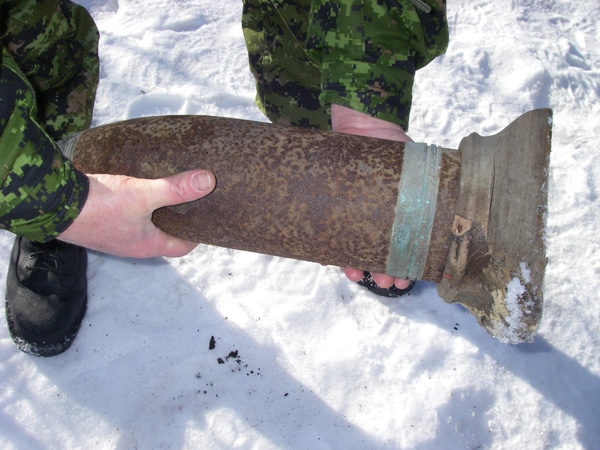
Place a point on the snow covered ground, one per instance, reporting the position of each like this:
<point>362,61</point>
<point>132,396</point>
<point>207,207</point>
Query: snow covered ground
<point>311,361</point>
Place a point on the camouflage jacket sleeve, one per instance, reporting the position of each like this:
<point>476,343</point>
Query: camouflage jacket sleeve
<point>307,54</point>
<point>48,77</point>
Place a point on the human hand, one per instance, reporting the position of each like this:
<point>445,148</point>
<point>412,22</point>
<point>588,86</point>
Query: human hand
<point>116,217</point>
<point>349,121</point>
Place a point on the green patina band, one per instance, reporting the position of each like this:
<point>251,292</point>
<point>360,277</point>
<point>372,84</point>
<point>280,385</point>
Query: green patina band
<point>415,211</point>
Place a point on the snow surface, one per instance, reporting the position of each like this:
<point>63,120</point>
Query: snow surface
<point>320,363</point>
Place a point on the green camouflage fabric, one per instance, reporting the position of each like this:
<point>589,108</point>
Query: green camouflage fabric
<point>363,54</point>
<point>48,80</point>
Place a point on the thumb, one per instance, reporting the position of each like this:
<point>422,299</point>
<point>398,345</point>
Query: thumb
<point>182,188</point>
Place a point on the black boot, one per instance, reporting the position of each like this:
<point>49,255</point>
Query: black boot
<point>46,295</point>
<point>367,282</point>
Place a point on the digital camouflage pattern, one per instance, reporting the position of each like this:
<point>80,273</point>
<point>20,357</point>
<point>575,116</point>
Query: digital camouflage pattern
<point>363,54</point>
<point>49,74</point>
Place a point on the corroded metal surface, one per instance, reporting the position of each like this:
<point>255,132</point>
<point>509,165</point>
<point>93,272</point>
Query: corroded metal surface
<point>306,194</point>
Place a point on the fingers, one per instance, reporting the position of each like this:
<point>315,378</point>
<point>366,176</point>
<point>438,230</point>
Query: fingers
<point>387,281</point>
<point>181,188</point>
<point>170,246</point>
<point>401,283</point>
<point>382,280</point>
<point>354,275</point>
<point>117,216</point>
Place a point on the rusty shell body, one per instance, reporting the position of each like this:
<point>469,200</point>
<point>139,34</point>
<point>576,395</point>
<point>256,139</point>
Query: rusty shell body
<point>311,195</point>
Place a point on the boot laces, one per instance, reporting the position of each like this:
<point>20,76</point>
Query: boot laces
<point>44,260</point>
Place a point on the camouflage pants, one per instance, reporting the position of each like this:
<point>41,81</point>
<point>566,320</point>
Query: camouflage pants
<point>363,54</point>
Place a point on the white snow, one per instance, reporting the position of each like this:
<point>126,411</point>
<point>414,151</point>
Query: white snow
<point>322,364</point>
<point>513,329</point>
